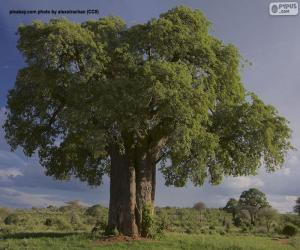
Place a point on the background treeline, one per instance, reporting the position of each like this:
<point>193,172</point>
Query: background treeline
<point>250,214</point>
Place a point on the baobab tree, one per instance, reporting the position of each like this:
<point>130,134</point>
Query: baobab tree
<point>102,98</point>
<point>253,200</point>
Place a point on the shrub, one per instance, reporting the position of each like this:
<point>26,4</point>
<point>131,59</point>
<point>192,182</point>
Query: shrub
<point>62,224</point>
<point>165,221</point>
<point>147,220</point>
<point>156,231</point>
<point>12,219</point>
<point>5,230</point>
<point>4,212</point>
<point>261,230</point>
<point>49,222</point>
<point>100,227</point>
<point>244,229</point>
<point>95,211</point>
<point>222,232</point>
<point>289,230</point>
<point>75,219</point>
<point>111,231</point>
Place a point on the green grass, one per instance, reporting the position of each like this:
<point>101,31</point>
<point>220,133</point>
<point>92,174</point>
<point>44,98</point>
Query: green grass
<point>174,241</point>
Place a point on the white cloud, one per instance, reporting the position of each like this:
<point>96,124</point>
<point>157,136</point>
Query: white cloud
<point>27,199</point>
<point>286,171</point>
<point>293,160</point>
<point>244,182</point>
<point>283,203</point>
<point>9,173</point>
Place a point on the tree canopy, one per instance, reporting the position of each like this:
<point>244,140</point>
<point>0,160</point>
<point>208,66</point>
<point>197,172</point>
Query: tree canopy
<point>232,206</point>
<point>253,200</point>
<point>166,84</point>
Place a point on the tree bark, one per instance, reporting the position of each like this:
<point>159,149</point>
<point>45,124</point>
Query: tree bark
<point>122,195</point>
<point>132,189</point>
<point>145,190</point>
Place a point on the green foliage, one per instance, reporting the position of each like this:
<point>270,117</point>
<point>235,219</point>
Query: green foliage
<point>95,211</point>
<point>253,200</point>
<point>268,216</point>
<point>290,219</point>
<point>99,83</point>
<point>183,231</point>
<point>289,230</point>
<point>101,228</point>
<point>62,224</point>
<point>12,219</point>
<point>75,219</point>
<point>111,231</point>
<point>147,220</point>
<point>49,222</point>
<point>4,212</point>
<point>232,206</point>
<point>164,219</point>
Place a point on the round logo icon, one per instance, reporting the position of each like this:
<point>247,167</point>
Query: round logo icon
<point>274,8</point>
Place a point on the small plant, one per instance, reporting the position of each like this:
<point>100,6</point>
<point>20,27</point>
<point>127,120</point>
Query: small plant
<point>111,231</point>
<point>147,220</point>
<point>222,232</point>
<point>289,230</point>
<point>99,227</point>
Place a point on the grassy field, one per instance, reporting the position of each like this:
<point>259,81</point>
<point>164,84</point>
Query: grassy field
<point>70,227</point>
<point>170,241</point>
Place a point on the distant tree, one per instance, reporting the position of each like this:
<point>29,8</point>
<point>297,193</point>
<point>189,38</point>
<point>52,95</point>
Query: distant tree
<point>253,200</point>
<point>232,207</point>
<point>268,216</point>
<point>297,207</point>
<point>242,217</point>
<point>95,210</point>
<point>74,204</point>
<point>200,206</point>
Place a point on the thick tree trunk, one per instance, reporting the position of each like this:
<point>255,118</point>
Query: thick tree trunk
<point>122,195</point>
<point>132,189</point>
<point>145,191</point>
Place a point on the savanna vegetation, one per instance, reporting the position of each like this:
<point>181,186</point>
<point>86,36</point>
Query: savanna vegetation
<point>76,227</point>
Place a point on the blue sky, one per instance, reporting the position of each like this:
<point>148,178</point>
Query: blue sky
<point>271,43</point>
